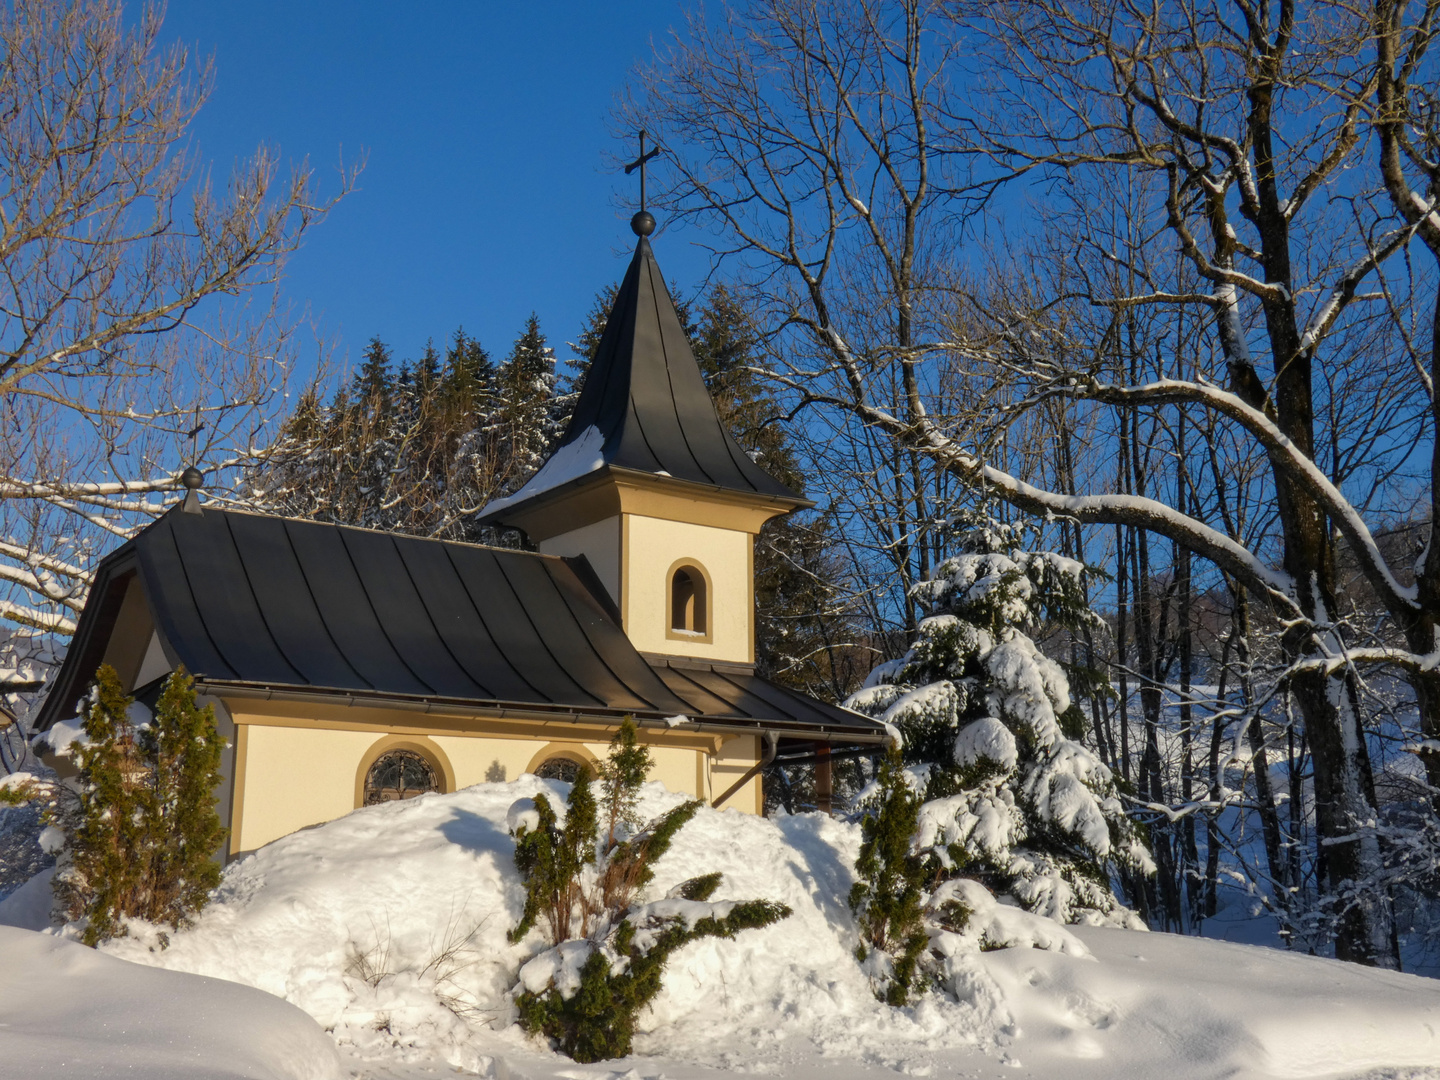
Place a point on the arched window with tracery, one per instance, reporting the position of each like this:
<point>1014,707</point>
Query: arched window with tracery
<point>564,769</point>
<point>688,608</point>
<point>399,774</point>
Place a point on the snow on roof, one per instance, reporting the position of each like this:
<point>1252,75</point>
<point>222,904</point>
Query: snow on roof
<point>645,406</point>
<point>572,461</point>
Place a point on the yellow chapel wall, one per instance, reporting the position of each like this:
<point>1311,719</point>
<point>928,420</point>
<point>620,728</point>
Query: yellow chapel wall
<point>291,775</point>
<point>600,543</point>
<point>651,548</point>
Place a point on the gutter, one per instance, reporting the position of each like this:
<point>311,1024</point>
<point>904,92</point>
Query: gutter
<point>500,710</point>
<point>810,759</point>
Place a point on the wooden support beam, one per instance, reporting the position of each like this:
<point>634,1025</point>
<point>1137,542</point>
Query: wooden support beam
<point>824,780</point>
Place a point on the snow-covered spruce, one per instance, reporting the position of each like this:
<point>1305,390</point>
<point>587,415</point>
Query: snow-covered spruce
<point>1009,799</point>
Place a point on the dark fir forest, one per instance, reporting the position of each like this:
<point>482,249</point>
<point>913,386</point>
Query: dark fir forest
<point>419,444</point>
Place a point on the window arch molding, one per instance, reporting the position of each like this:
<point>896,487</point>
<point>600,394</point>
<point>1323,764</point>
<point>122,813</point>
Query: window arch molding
<point>416,744</point>
<point>705,595</point>
<point>575,752</point>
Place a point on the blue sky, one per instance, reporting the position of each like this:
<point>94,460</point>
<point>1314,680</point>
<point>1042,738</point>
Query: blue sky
<point>487,192</point>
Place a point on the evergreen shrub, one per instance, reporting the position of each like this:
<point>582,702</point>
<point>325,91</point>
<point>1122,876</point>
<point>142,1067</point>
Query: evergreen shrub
<point>139,820</point>
<point>887,897</point>
<point>582,887</point>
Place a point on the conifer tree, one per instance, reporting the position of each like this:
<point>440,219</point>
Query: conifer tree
<point>523,410</point>
<point>373,380</point>
<point>141,831</point>
<point>552,858</point>
<point>1010,800</point>
<point>427,368</point>
<point>98,875</point>
<point>621,778</point>
<point>416,450</point>
<point>469,379</point>
<point>182,749</point>
<point>887,897</point>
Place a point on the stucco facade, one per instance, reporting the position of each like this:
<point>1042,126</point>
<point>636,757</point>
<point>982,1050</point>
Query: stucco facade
<point>279,785</point>
<point>325,646</point>
<point>654,548</point>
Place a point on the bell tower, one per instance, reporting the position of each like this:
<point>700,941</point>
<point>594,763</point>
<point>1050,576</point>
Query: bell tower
<point>650,487</point>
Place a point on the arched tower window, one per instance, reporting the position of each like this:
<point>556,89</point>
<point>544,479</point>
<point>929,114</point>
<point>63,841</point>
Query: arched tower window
<point>399,774</point>
<point>688,612</point>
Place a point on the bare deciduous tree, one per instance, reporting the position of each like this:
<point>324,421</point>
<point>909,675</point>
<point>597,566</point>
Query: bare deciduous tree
<point>139,325</point>
<point>826,145</point>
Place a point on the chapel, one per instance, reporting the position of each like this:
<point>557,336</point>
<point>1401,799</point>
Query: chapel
<point>349,666</point>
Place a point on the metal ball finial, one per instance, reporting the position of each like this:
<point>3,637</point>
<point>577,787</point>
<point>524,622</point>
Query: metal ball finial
<point>643,223</point>
<point>192,478</point>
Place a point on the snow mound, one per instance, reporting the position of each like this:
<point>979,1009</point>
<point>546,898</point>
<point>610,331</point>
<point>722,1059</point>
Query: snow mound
<point>389,927</point>
<point>1153,1005</point>
<point>70,1011</point>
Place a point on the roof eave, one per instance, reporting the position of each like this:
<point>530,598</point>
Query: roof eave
<point>833,734</point>
<point>514,514</point>
<point>92,622</point>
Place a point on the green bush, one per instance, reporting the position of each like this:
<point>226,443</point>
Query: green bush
<point>888,897</point>
<point>584,886</point>
<point>598,1020</point>
<point>550,860</point>
<point>140,823</point>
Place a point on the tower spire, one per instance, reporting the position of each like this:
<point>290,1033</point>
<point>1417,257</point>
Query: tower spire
<point>644,409</point>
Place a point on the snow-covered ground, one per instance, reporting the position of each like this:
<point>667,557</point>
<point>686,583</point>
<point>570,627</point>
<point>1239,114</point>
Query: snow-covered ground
<point>69,1011</point>
<point>388,927</point>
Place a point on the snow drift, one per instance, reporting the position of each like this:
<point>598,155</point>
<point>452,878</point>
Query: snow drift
<point>388,927</point>
<point>66,1010</point>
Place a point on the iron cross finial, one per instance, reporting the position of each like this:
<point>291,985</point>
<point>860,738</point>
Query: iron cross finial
<point>642,223</point>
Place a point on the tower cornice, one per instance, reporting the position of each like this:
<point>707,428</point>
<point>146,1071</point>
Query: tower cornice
<point>611,490</point>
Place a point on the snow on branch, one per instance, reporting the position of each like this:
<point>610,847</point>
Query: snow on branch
<point>924,436</point>
<point>1286,455</point>
<point>41,561</point>
<point>1144,513</point>
<point>86,491</point>
<point>1417,663</point>
<point>34,617</point>
<point>42,585</point>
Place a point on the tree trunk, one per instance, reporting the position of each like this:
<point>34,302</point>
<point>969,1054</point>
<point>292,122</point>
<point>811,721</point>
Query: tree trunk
<point>1189,854</point>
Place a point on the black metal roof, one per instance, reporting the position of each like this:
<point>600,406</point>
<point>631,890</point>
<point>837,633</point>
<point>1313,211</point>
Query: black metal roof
<point>254,605</point>
<point>645,407</point>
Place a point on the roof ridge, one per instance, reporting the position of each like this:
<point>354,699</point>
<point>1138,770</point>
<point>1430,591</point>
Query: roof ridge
<point>250,512</point>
